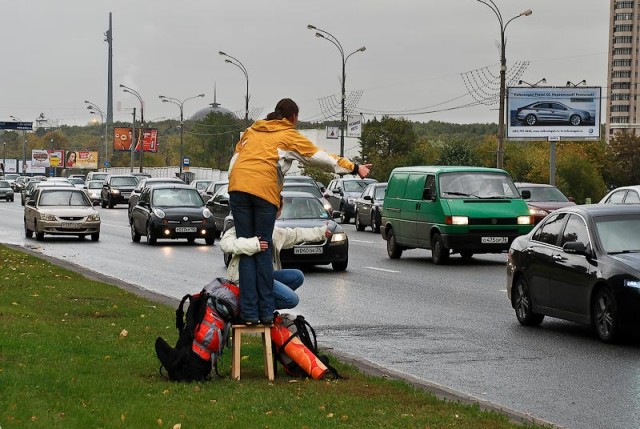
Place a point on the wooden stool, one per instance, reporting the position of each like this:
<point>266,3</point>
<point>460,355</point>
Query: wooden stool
<point>236,341</point>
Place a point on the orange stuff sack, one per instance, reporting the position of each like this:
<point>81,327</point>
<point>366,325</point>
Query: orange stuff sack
<point>296,348</point>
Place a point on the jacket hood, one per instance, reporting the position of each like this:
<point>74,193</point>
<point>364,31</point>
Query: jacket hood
<point>274,125</point>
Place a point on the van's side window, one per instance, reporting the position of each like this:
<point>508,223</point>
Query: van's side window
<point>429,188</point>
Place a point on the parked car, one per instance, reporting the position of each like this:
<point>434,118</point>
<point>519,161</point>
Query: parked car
<point>368,211</point>
<point>93,188</point>
<point>552,111</point>
<point>581,263</point>
<point>212,189</point>
<point>144,182</point>
<point>96,175</point>
<point>304,210</point>
<point>452,209</point>
<point>116,189</point>
<point>623,195</point>
<point>171,211</point>
<point>543,199</point>
<point>27,192</point>
<point>342,193</point>
<point>311,188</point>
<point>6,193</point>
<point>61,210</point>
<point>218,205</point>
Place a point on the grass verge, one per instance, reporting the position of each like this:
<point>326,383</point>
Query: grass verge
<point>77,353</point>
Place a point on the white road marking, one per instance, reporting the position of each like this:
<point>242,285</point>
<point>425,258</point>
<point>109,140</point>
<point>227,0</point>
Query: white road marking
<point>382,269</point>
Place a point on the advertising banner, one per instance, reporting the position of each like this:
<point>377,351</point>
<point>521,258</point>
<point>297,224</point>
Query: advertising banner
<point>10,165</point>
<point>81,159</point>
<point>148,138</point>
<point>354,126</point>
<point>539,113</point>
<point>47,158</point>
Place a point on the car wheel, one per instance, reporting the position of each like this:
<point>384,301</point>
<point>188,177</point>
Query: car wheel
<point>359,225</point>
<point>393,250</point>
<point>523,305</point>
<point>216,233</point>
<point>439,253</point>
<point>39,235</point>
<point>110,202</point>
<point>466,254</point>
<point>95,236</point>
<point>27,232</point>
<point>605,316</point>
<point>103,203</point>
<point>151,240</point>
<point>575,120</point>
<point>343,217</point>
<point>375,224</point>
<point>531,119</point>
<point>340,266</point>
<point>135,237</point>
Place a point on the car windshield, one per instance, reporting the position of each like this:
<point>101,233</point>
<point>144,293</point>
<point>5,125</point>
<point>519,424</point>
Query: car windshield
<point>299,187</point>
<point>63,198</point>
<point>619,234</point>
<point>544,193</point>
<point>76,181</point>
<point>124,181</point>
<point>174,197</point>
<point>379,193</point>
<point>202,185</point>
<point>11,176</point>
<point>99,176</point>
<point>4,184</point>
<point>477,185</point>
<point>355,185</point>
<point>94,184</point>
<point>303,208</point>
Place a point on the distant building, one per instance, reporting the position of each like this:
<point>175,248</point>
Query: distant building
<point>213,108</point>
<point>623,105</point>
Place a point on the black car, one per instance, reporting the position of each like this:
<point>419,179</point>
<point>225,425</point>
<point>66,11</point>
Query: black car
<point>6,193</point>
<point>342,193</point>
<point>171,211</point>
<point>368,211</point>
<point>144,182</point>
<point>581,263</point>
<point>218,205</point>
<point>116,189</point>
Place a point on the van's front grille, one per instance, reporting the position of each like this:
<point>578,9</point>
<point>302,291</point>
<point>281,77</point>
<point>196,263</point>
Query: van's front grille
<point>493,221</point>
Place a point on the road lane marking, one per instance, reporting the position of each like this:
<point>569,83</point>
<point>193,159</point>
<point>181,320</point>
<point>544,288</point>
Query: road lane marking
<point>361,241</point>
<point>382,269</point>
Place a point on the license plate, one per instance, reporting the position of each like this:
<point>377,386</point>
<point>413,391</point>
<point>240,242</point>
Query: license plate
<point>71,225</point>
<point>307,250</point>
<point>494,240</point>
<point>186,229</point>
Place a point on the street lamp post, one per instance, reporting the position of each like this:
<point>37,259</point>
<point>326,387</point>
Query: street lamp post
<point>139,97</point>
<point>503,72</point>
<point>237,63</point>
<point>24,147</point>
<point>331,38</point>
<point>569,83</point>
<point>533,85</point>
<point>180,104</point>
<point>94,109</point>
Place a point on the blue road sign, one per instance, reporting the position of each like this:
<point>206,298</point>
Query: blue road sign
<point>23,126</point>
<point>186,161</point>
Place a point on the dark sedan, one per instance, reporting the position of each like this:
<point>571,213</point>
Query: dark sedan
<point>171,211</point>
<point>368,207</point>
<point>218,205</point>
<point>581,263</point>
<point>143,183</point>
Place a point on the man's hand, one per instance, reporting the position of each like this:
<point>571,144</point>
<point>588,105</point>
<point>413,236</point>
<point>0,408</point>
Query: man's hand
<point>363,170</point>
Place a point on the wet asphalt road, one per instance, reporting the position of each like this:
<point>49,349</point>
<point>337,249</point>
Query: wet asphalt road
<point>448,325</point>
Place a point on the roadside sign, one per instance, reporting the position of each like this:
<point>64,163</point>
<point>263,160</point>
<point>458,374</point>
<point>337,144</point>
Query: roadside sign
<point>13,125</point>
<point>106,164</point>
<point>186,161</point>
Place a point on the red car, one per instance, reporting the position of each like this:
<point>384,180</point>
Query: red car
<point>544,199</point>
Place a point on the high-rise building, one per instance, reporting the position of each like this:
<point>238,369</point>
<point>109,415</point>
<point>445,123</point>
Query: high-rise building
<point>622,82</point>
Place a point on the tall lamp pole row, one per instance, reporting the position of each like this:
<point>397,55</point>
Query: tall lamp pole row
<point>180,104</point>
<point>331,38</point>
<point>503,70</point>
<point>95,110</point>
<point>231,60</point>
<point>24,147</point>
<point>133,144</point>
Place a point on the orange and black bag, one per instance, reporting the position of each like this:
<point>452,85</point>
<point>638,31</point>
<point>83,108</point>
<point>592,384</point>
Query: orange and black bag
<point>295,346</point>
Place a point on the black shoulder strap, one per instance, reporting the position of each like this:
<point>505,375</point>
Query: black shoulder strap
<point>180,312</point>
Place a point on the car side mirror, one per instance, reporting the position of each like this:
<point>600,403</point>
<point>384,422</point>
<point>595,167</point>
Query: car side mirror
<point>224,201</point>
<point>337,191</point>
<point>143,204</point>
<point>367,197</point>
<point>526,194</point>
<point>575,248</point>
<point>428,195</point>
<point>31,203</point>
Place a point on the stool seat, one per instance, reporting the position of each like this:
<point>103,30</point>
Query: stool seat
<point>236,342</point>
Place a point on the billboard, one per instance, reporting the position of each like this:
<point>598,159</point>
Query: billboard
<point>148,138</point>
<point>81,159</point>
<point>47,158</point>
<point>566,113</point>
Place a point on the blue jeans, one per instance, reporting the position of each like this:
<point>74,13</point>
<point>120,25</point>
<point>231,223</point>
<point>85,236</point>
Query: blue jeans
<point>255,217</point>
<point>285,282</point>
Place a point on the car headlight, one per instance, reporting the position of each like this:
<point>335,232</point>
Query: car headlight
<point>93,217</point>
<point>457,220</point>
<point>115,191</point>
<point>206,213</point>
<point>47,216</point>
<point>524,220</point>
<point>338,237</point>
<point>632,283</point>
<point>534,211</point>
<point>159,213</point>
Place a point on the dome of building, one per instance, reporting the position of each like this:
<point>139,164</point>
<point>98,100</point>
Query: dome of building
<point>213,108</point>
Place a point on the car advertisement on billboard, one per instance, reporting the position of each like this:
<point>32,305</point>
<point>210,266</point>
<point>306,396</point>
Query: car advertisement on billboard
<point>557,112</point>
<point>81,159</point>
<point>122,139</point>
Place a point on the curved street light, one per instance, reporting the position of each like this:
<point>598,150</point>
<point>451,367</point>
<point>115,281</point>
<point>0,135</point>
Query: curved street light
<point>503,70</point>
<point>532,85</point>
<point>139,97</point>
<point>24,146</point>
<point>322,34</point>
<point>236,62</point>
<point>569,83</point>
<point>95,110</point>
<point>180,104</point>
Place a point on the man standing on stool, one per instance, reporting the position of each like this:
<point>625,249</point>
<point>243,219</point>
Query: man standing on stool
<point>262,157</point>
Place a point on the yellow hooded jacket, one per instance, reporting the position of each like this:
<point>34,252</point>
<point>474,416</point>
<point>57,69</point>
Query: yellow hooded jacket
<point>265,153</point>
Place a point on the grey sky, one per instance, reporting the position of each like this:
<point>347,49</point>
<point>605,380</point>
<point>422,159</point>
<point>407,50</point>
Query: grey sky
<point>54,56</point>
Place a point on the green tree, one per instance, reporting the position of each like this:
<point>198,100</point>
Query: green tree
<point>622,160</point>
<point>458,152</point>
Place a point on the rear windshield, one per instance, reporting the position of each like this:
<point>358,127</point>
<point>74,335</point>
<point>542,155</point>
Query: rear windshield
<point>545,193</point>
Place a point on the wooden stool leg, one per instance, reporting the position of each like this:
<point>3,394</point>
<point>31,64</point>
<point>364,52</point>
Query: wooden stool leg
<point>236,341</point>
<point>268,356</point>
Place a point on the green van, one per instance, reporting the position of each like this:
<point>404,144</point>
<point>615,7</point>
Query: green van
<point>463,210</point>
